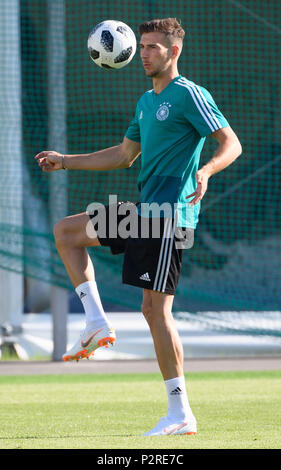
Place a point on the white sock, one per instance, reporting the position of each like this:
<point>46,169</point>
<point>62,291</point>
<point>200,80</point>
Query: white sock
<point>178,405</point>
<point>89,295</point>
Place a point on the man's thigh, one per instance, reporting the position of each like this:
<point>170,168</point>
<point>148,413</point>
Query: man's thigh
<point>78,230</point>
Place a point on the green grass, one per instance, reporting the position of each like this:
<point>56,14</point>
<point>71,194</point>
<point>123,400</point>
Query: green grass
<point>234,410</point>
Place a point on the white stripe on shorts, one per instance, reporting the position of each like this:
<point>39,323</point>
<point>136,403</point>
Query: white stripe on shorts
<point>164,257</point>
<point>169,256</point>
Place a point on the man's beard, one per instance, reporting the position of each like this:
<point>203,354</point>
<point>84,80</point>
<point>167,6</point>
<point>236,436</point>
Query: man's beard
<point>153,73</point>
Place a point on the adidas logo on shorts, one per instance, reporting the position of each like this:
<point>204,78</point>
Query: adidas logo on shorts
<point>145,277</point>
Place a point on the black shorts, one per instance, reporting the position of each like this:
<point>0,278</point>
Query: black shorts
<point>152,247</point>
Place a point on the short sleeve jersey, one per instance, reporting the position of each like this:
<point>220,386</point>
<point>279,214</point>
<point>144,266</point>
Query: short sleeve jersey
<point>171,127</point>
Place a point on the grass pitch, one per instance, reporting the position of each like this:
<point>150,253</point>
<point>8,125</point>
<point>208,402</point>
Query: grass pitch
<point>234,410</point>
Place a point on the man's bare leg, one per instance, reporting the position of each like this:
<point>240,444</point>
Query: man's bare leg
<point>72,240</point>
<point>73,235</point>
<point>157,309</point>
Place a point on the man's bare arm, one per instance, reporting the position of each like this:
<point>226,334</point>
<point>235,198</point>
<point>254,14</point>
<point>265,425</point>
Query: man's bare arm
<point>119,156</point>
<point>228,150</point>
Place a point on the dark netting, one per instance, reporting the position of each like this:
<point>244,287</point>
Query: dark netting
<point>232,48</point>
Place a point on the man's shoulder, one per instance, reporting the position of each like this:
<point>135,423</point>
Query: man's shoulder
<point>190,89</point>
<point>187,84</point>
<point>146,94</point>
<point>144,97</point>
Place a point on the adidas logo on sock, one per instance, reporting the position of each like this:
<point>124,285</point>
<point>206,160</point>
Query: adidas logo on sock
<point>145,277</point>
<point>177,391</point>
<point>82,295</point>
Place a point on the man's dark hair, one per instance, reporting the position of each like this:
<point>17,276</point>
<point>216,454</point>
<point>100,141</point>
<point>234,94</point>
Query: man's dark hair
<point>168,26</point>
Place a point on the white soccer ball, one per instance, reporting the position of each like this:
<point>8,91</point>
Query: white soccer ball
<point>112,44</point>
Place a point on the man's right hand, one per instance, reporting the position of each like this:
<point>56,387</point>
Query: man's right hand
<point>49,160</point>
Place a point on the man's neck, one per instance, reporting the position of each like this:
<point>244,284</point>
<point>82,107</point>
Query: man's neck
<point>160,82</point>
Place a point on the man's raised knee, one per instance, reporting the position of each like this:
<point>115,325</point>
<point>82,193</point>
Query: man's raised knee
<point>60,232</point>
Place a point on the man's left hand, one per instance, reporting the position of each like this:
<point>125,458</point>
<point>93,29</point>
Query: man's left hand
<point>202,178</point>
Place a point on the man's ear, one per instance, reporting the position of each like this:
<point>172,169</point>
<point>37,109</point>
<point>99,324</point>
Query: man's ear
<point>175,51</point>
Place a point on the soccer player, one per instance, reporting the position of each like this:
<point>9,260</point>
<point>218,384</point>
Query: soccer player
<point>170,125</point>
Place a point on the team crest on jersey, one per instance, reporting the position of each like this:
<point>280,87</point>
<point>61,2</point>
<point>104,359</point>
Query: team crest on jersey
<point>163,111</point>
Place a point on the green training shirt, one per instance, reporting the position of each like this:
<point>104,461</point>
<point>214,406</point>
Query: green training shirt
<point>171,127</point>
